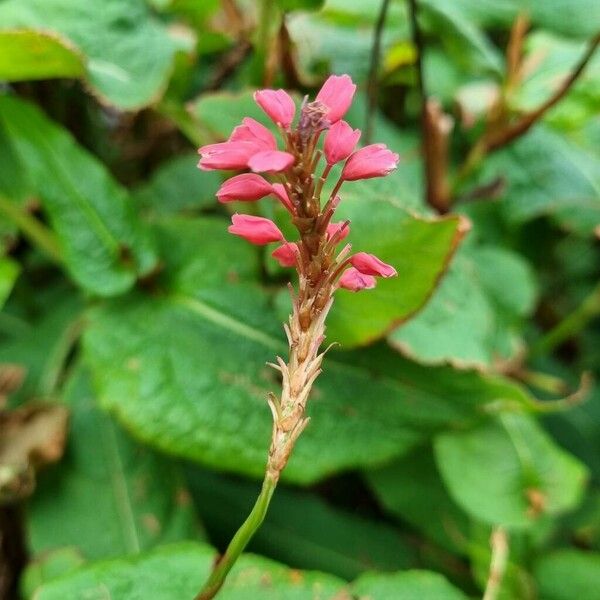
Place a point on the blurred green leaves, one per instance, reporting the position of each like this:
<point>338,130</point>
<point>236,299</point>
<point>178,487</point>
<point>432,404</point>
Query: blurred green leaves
<point>127,54</point>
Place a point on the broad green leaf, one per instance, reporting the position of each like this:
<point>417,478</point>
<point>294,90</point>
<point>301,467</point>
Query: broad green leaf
<point>461,37</point>
<point>47,567</point>
<point>9,271</point>
<point>545,174</point>
<point>509,472</point>
<point>178,186</point>
<point>120,497</point>
<point>185,370</point>
<point>411,489</point>
<point>300,529</point>
<point>408,585</point>
<point>418,248</point>
<point>473,319</point>
<point>128,54</point>
<point>568,574</point>
<point>577,18</point>
<point>105,247</point>
<point>178,571</point>
<point>26,55</point>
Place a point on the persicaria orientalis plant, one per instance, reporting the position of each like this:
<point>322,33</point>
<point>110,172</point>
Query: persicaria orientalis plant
<point>316,255</point>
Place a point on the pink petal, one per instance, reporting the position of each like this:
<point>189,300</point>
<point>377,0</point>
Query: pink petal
<point>226,155</point>
<point>355,281</point>
<point>278,105</point>
<point>340,142</point>
<point>271,161</point>
<point>369,264</point>
<point>246,187</point>
<point>375,160</point>
<point>254,132</point>
<point>342,230</point>
<point>337,93</point>
<point>257,230</point>
<point>279,191</point>
<point>286,254</point>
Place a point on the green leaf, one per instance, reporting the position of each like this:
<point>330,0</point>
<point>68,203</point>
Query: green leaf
<point>128,54</point>
<point>411,489</point>
<point>47,567</point>
<point>418,248</point>
<point>178,186</point>
<point>27,55</point>
<point>509,472</point>
<point>105,247</point>
<point>185,370</point>
<point>464,40</point>
<point>300,529</point>
<point>178,571</point>
<point>568,574</point>
<point>41,344</point>
<point>9,271</point>
<point>577,18</point>
<point>546,174</point>
<point>409,585</point>
<point>473,319</point>
<point>120,497</point>
<point>288,5</point>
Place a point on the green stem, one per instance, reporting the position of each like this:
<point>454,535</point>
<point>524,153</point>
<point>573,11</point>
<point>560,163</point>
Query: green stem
<point>240,540</point>
<point>570,326</point>
<point>268,24</point>
<point>31,228</point>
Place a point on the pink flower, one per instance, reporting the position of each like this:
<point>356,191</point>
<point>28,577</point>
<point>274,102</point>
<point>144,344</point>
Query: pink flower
<point>246,187</point>
<point>279,191</point>
<point>342,230</point>
<point>340,142</point>
<point>375,160</point>
<point>278,105</point>
<point>254,132</point>
<point>271,161</point>
<point>257,230</point>
<point>337,93</point>
<point>226,155</point>
<point>355,281</point>
<point>369,264</point>
<point>286,254</point>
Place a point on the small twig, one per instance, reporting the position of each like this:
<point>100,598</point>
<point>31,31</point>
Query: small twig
<point>498,563</point>
<point>570,326</point>
<point>528,120</point>
<point>229,64</point>
<point>373,80</point>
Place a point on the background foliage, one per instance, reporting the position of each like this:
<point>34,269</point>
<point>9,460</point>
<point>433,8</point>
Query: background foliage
<point>454,409</point>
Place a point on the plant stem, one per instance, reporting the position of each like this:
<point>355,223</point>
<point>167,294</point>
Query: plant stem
<point>372,85</point>
<point>570,326</point>
<point>268,25</point>
<point>32,229</point>
<point>240,540</point>
<point>499,543</point>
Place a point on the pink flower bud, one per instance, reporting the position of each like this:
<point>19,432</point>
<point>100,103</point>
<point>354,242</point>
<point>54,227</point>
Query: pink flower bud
<point>341,229</point>
<point>355,281</point>
<point>271,161</point>
<point>257,230</point>
<point>340,142</point>
<point>337,93</point>
<point>286,254</point>
<point>279,191</point>
<point>278,105</point>
<point>246,187</point>
<point>368,264</point>
<point>375,160</point>
<point>226,155</point>
<point>254,132</point>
